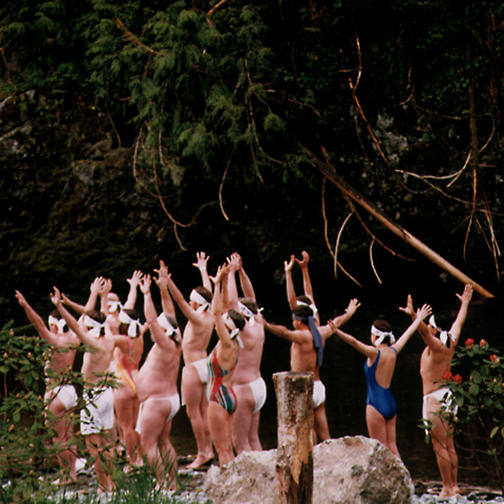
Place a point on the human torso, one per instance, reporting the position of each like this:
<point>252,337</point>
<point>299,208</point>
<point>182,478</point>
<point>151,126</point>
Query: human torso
<point>433,364</point>
<point>303,357</point>
<point>196,338</point>
<point>97,362</point>
<point>158,374</point>
<point>62,356</point>
<point>249,363</point>
<point>384,370</point>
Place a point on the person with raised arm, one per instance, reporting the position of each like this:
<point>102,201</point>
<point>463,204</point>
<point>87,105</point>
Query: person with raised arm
<point>248,384</point>
<point>319,391</point>
<point>381,408</point>
<point>60,398</point>
<point>201,265</point>
<point>436,360</point>
<point>157,384</point>
<point>222,361</point>
<point>128,351</point>
<point>196,337</point>
<point>97,418</point>
<point>307,338</point>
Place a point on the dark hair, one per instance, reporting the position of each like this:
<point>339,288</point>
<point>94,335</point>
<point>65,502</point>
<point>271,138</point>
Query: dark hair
<point>172,320</point>
<point>237,318</point>
<point>302,311</point>
<point>123,328</point>
<point>305,299</point>
<point>382,325</point>
<point>56,314</point>
<point>99,316</point>
<point>250,304</point>
<point>203,291</point>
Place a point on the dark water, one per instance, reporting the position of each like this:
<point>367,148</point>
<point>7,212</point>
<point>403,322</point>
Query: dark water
<point>343,376</point>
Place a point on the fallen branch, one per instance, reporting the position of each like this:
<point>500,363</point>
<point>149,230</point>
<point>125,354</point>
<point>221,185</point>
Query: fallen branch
<point>328,171</point>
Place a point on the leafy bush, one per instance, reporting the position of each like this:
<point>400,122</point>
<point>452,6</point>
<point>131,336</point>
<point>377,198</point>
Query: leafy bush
<point>478,388</point>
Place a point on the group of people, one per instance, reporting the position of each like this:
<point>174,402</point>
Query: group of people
<point>222,390</point>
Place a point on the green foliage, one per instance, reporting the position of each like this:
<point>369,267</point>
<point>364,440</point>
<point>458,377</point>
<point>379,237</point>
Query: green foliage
<point>478,389</point>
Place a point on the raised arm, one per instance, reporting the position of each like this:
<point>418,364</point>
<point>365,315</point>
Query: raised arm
<point>465,299</point>
<point>230,290</point>
<point>104,291</point>
<point>150,313</point>
<point>289,285</point>
<point>422,328</point>
<point>367,350</point>
<point>307,285</point>
<point>34,318</point>
<point>420,315</point>
<point>201,264</point>
<point>349,313</point>
<point>245,283</point>
<point>94,289</point>
<point>70,320</point>
<point>134,283</point>
<point>162,283</point>
<point>284,332</point>
<point>177,296</point>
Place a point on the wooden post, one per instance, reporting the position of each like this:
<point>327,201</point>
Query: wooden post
<point>294,469</point>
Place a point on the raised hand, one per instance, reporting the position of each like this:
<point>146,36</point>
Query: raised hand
<point>21,299</point>
<point>288,265</point>
<point>134,281</point>
<point>163,275</point>
<point>145,284</point>
<point>423,312</point>
<point>201,261</point>
<point>55,297</point>
<point>352,306</point>
<point>466,296</point>
<point>408,309</point>
<point>304,261</point>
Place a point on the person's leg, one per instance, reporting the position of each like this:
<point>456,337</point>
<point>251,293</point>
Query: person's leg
<point>441,439</point>
<point>254,440</point>
<point>376,425</point>
<point>99,449</point>
<point>169,458</point>
<point>390,426</point>
<point>126,408</point>
<point>242,418</point>
<point>220,424</point>
<point>193,392</point>
<point>320,423</point>
<point>61,422</point>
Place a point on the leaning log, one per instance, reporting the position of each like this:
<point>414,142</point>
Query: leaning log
<point>328,170</point>
<point>294,467</point>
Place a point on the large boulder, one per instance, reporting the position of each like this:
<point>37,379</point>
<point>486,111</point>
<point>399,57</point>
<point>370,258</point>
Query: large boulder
<point>348,470</point>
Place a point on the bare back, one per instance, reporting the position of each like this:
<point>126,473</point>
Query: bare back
<point>433,364</point>
<point>386,365</point>
<point>97,360</point>
<point>62,354</point>
<point>249,363</point>
<point>196,337</point>
<point>159,373</point>
<point>303,357</point>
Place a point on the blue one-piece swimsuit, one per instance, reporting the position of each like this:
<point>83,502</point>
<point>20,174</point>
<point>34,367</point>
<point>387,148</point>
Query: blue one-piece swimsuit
<point>379,397</point>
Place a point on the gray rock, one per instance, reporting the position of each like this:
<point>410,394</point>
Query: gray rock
<point>349,470</point>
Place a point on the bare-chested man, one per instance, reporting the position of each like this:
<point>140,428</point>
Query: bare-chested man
<point>196,337</point>
<point>307,340</point>
<point>60,398</point>
<point>321,424</point>
<point>157,384</point>
<point>247,382</point>
<point>435,361</point>
<point>97,418</point>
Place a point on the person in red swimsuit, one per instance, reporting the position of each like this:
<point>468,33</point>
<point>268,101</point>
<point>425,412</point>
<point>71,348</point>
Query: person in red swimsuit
<point>221,364</point>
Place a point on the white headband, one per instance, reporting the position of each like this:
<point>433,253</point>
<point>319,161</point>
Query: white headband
<point>173,332</point>
<point>248,313</point>
<point>443,335</point>
<point>114,305</point>
<point>94,327</point>
<point>381,335</point>
<point>310,305</point>
<point>59,323</point>
<point>133,324</point>
<point>198,298</point>
<point>234,332</point>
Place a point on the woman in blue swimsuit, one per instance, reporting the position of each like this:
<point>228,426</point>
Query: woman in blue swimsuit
<point>221,364</point>
<point>381,410</point>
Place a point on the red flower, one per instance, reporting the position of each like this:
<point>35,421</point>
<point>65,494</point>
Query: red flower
<point>457,378</point>
<point>469,342</point>
<point>447,376</point>
<point>483,343</point>
<point>494,359</point>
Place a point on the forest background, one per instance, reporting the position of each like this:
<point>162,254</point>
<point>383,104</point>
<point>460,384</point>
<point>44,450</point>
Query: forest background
<point>143,130</point>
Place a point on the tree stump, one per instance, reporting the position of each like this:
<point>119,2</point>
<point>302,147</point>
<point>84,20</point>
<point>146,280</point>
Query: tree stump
<point>294,468</point>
